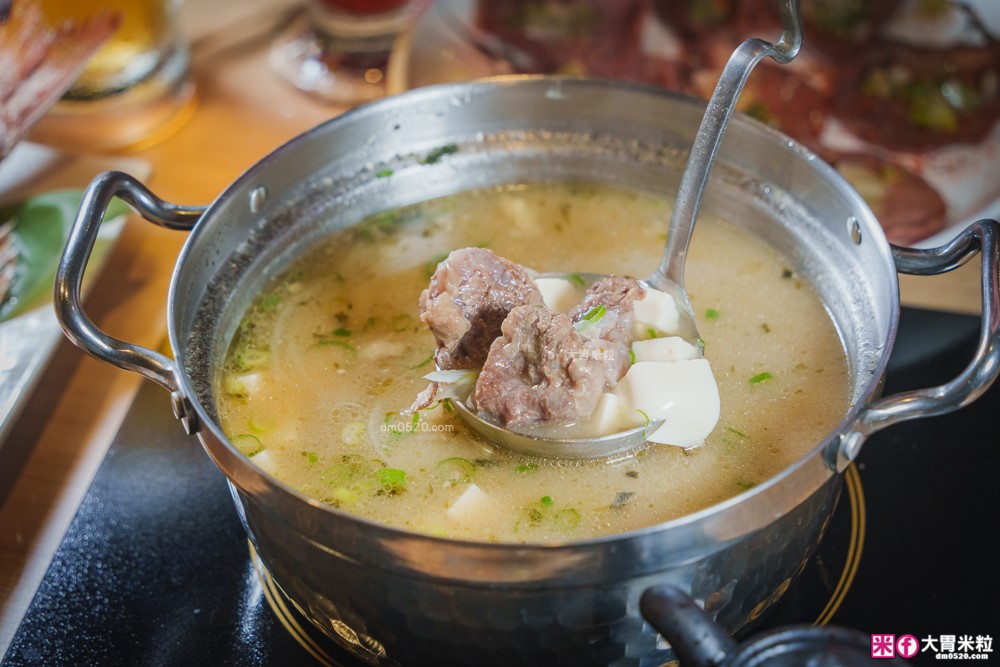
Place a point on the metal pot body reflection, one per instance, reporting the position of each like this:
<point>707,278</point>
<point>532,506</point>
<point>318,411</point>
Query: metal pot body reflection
<point>394,597</point>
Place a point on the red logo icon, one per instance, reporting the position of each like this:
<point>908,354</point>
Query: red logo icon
<point>907,646</point>
<point>884,646</point>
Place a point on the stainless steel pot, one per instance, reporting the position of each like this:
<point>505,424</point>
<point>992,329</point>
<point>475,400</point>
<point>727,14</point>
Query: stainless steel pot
<point>394,597</point>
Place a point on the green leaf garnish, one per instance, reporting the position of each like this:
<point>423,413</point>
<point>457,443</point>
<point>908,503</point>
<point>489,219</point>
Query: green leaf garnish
<point>40,227</point>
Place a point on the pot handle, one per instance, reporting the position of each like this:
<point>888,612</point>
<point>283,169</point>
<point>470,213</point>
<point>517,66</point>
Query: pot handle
<point>69,276</point>
<point>983,237</point>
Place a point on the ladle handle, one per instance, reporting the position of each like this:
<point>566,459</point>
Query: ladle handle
<point>69,277</point>
<point>982,237</point>
<point>713,126</point>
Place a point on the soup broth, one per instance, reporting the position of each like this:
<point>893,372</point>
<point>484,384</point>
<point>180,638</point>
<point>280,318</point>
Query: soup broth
<point>325,363</point>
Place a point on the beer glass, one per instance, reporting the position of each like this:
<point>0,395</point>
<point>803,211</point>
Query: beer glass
<point>338,50</point>
<point>134,89</point>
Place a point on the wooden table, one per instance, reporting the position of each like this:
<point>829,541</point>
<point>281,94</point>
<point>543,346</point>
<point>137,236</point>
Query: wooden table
<point>242,113</point>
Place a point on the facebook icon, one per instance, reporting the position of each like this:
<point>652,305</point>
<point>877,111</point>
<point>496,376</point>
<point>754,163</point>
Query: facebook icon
<point>907,646</point>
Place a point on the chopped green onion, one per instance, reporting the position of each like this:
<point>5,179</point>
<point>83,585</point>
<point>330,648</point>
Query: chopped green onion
<point>431,266</point>
<point>249,444</point>
<point>455,470</point>
<point>249,359</point>
<point>711,314</point>
<point>258,427</point>
<point>353,434</point>
<point>383,173</point>
<point>423,363</point>
<point>566,519</point>
<point>268,303</point>
<point>439,152</point>
<point>311,457</point>
<point>344,496</point>
<point>631,356</point>
<point>577,278</point>
<point>761,377</point>
<point>335,343</point>
<point>400,430</point>
<point>526,468</point>
<point>645,416</point>
<point>546,501</point>
<point>234,385</point>
<point>739,433</point>
<point>392,480</point>
<point>342,332</point>
<point>591,317</point>
<point>350,473</point>
<point>401,322</point>
<point>651,332</point>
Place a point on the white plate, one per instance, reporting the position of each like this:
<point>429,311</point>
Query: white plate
<point>28,340</point>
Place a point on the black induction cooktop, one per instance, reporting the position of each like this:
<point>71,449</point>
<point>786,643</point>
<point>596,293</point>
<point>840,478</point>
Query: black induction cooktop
<point>155,568</point>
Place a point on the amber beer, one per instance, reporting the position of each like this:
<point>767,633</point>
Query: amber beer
<point>143,42</point>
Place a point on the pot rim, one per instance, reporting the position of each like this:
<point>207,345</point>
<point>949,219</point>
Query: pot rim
<point>870,227</point>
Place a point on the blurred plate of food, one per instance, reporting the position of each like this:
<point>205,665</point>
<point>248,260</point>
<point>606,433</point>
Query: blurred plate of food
<point>40,192</point>
<point>901,96</point>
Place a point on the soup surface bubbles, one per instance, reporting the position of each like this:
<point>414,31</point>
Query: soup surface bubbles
<point>326,361</point>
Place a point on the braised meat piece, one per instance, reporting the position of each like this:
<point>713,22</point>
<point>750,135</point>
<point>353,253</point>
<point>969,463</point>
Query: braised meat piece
<point>468,297</point>
<point>608,308</point>
<point>541,370</point>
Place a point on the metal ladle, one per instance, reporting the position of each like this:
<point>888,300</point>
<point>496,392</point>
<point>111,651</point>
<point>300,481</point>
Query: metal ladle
<point>669,275</point>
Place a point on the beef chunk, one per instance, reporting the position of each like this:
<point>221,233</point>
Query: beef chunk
<point>617,295</point>
<point>468,298</point>
<point>541,370</point>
